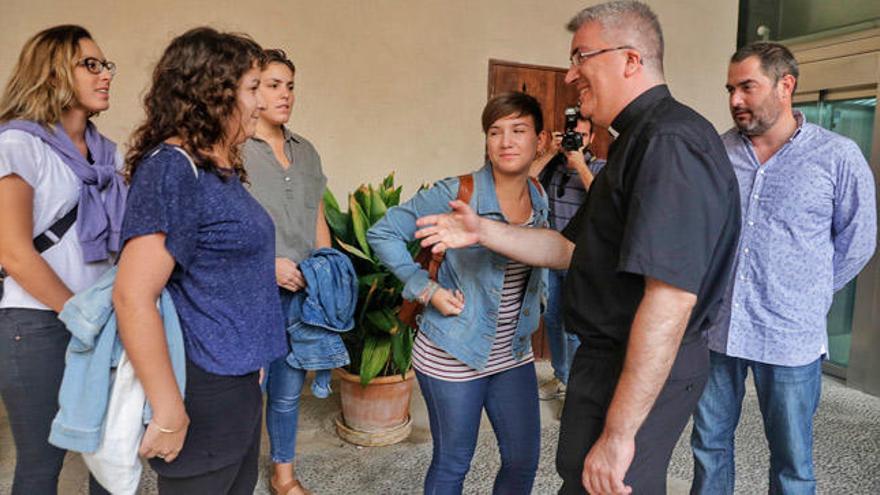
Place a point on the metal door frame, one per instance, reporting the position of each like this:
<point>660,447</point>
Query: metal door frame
<point>845,67</point>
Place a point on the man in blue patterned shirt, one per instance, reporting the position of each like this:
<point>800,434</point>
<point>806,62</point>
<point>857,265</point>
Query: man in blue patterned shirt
<point>808,227</point>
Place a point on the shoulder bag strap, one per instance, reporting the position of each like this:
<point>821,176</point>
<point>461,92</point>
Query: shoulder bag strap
<point>54,234</point>
<point>465,191</point>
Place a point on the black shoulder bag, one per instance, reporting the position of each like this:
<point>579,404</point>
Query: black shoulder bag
<point>48,238</point>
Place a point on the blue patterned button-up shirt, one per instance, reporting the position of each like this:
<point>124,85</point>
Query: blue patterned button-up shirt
<point>808,227</point>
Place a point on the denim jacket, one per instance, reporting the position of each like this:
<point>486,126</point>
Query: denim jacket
<point>476,271</point>
<point>93,352</point>
<point>319,313</point>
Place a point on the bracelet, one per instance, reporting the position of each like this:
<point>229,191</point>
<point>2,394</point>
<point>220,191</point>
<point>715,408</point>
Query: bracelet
<point>165,430</point>
<point>428,292</point>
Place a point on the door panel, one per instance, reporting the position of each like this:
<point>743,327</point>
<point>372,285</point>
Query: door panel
<point>853,118</point>
<point>546,84</point>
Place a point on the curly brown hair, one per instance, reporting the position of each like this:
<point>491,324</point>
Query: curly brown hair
<point>192,96</point>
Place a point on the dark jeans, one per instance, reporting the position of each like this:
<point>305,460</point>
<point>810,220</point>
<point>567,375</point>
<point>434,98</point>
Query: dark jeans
<point>236,479</point>
<point>563,345</point>
<point>32,347</point>
<point>455,409</point>
<point>221,451</point>
<point>594,376</point>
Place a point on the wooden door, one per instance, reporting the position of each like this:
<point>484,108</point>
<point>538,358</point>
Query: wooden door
<point>547,85</point>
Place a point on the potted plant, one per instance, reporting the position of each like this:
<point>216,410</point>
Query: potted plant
<point>376,388</point>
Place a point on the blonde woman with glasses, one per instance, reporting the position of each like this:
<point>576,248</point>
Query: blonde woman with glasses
<point>61,207</point>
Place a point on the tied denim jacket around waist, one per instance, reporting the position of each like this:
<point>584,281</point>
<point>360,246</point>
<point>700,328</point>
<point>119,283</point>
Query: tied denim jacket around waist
<point>476,271</point>
<point>318,314</point>
<point>92,354</point>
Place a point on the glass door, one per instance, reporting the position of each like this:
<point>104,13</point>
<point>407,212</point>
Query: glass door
<point>853,118</point>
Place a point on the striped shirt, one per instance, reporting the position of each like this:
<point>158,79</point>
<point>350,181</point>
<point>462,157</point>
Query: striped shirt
<point>433,361</point>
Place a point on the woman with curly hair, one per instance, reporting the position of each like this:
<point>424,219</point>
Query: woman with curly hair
<point>191,227</point>
<point>61,206</point>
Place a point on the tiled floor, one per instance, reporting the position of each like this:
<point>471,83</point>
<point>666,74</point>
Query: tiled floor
<point>847,452</point>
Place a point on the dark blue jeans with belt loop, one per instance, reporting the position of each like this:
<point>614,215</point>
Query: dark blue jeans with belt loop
<point>32,347</point>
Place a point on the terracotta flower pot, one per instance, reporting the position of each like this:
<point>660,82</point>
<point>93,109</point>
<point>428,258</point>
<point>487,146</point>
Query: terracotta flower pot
<point>377,414</point>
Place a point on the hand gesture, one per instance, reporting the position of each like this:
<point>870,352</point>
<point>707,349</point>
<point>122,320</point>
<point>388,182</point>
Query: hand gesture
<point>448,303</point>
<point>456,229</point>
<point>606,464</point>
<point>165,441</point>
<point>287,275</point>
<point>575,160</point>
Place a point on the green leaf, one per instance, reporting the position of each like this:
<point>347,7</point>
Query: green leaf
<point>353,250</point>
<point>330,200</point>
<point>366,302</point>
<point>363,197</point>
<point>383,320</point>
<point>370,278</point>
<point>360,223</point>
<point>338,221</point>
<point>376,352</point>
<point>377,206</point>
<point>401,350</point>
<point>393,197</point>
<point>388,182</point>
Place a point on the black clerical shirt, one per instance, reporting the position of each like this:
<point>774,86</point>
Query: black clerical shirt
<point>665,206</point>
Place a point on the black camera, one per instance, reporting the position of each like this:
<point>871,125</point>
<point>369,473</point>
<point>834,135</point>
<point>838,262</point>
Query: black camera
<point>571,139</point>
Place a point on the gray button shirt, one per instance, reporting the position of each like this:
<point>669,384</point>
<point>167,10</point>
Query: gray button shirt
<point>292,195</point>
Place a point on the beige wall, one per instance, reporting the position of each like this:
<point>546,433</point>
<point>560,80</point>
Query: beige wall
<point>381,84</point>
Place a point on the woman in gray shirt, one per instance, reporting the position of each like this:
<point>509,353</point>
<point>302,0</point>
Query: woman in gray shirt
<point>286,178</point>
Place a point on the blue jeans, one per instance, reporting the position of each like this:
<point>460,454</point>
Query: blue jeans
<point>788,398</point>
<point>32,347</point>
<point>563,344</point>
<point>455,409</point>
<point>284,387</point>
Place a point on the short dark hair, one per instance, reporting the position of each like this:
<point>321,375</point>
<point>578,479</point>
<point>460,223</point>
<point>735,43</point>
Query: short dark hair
<point>277,56</point>
<point>776,60</point>
<point>513,103</point>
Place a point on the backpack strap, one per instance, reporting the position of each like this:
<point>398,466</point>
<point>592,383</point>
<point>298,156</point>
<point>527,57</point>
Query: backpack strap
<point>465,192</point>
<point>538,186</point>
<point>465,188</point>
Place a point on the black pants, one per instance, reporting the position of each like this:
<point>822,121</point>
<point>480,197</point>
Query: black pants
<point>591,383</point>
<point>222,448</point>
<point>236,479</point>
<point>32,347</point>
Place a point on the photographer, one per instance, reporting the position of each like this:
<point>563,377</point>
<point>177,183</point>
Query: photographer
<point>566,169</point>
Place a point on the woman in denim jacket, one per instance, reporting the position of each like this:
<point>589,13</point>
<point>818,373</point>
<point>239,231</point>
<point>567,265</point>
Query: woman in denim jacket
<point>473,347</point>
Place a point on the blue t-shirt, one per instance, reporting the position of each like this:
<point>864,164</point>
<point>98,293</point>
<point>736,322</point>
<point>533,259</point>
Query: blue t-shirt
<point>223,242</point>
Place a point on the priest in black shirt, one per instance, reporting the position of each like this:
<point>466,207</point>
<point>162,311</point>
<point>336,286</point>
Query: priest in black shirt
<point>648,256</point>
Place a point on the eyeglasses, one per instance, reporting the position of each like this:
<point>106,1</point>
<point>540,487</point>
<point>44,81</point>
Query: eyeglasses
<point>577,58</point>
<point>96,66</point>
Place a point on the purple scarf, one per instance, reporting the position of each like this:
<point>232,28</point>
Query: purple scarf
<point>99,220</point>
